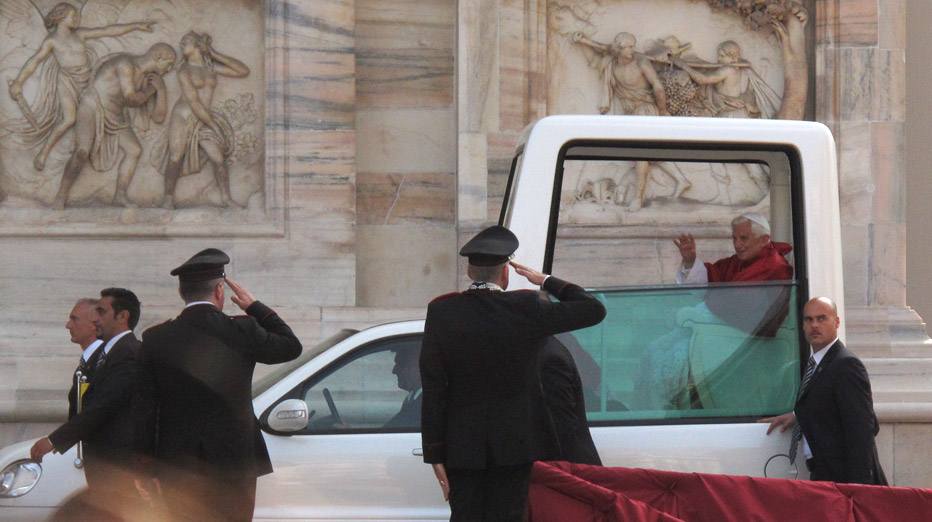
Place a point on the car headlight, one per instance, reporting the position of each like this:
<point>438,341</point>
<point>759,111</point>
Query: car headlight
<point>19,478</point>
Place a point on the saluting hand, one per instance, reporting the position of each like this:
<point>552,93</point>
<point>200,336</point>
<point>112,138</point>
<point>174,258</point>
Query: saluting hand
<point>242,297</point>
<point>532,275</point>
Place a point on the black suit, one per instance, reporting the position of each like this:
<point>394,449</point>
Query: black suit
<point>409,416</point>
<point>836,414</point>
<point>73,392</point>
<point>563,394</point>
<point>104,424</point>
<point>483,407</point>
<point>193,415</point>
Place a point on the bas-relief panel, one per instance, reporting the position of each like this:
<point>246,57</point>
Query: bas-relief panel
<point>144,116</point>
<point>673,58</point>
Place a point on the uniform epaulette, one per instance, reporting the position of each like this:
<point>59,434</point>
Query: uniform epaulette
<point>444,296</point>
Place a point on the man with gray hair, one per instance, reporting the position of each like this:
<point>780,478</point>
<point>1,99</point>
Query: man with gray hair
<point>83,333</point>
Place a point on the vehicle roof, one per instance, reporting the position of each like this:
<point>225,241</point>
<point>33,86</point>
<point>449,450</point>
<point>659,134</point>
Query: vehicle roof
<point>674,128</point>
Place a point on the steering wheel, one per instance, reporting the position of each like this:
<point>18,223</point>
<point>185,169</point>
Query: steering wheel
<point>334,414</point>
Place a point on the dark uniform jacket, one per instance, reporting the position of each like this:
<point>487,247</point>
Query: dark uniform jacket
<point>836,414</point>
<point>105,422</point>
<point>563,393</point>
<point>193,405</point>
<point>483,406</point>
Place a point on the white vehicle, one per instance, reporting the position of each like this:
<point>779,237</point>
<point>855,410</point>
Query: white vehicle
<point>325,414</point>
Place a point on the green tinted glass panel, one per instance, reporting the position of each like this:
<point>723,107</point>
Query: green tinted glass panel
<point>679,352</point>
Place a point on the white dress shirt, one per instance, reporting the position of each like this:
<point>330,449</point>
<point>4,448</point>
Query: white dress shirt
<point>818,356</point>
<point>89,351</point>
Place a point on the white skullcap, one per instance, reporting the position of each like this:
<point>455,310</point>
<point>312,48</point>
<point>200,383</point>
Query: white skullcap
<point>753,217</point>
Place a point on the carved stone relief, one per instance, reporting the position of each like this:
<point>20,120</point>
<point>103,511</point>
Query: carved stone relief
<point>682,58</point>
<point>132,103</point>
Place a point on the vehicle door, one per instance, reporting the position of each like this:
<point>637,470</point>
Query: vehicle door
<point>359,456</point>
<point>677,375</point>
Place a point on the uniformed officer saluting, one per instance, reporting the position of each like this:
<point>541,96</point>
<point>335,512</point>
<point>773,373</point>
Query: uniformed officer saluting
<point>195,430</point>
<point>484,420</point>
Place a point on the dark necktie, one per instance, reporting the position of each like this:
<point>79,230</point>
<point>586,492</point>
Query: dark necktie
<point>797,429</point>
<point>99,363</point>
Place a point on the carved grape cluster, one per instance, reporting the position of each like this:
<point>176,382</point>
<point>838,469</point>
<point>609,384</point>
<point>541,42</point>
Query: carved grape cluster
<point>682,92</point>
<point>756,13</point>
<point>240,110</point>
<point>246,145</point>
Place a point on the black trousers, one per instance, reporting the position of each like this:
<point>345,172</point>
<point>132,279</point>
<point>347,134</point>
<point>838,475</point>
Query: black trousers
<point>497,494</point>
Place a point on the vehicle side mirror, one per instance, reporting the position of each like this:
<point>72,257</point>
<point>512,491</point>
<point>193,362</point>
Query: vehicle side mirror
<point>289,415</point>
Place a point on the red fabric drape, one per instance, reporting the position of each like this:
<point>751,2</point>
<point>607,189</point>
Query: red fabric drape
<point>571,492</point>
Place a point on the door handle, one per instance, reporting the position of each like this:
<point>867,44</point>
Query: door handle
<point>418,452</point>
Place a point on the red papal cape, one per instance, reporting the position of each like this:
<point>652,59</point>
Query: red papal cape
<point>769,265</point>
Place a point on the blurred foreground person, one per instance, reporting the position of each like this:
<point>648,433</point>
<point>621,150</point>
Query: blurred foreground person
<point>197,441</point>
<point>484,419</point>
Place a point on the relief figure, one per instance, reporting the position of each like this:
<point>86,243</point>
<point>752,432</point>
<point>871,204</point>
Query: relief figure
<point>64,63</point>
<point>733,88</point>
<point>196,129</point>
<point>102,129</point>
<point>630,85</point>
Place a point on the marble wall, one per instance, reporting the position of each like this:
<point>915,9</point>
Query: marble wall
<point>406,150</point>
<point>340,78</point>
<point>390,126</point>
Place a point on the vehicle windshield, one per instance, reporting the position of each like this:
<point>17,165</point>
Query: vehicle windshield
<point>266,382</point>
<point>719,338</point>
<point>667,353</point>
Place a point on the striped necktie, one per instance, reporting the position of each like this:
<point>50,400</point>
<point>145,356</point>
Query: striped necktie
<point>101,357</point>
<point>82,367</point>
<point>797,429</point>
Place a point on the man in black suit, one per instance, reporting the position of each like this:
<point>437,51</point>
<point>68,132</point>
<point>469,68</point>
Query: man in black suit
<point>484,420</point>
<point>563,393</point>
<point>409,379</point>
<point>197,440</point>
<point>834,416</point>
<point>104,424</point>
<point>81,325</point>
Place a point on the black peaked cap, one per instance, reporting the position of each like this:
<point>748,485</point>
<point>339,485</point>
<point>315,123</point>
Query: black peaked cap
<point>493,246</point>
<point>203,266</point>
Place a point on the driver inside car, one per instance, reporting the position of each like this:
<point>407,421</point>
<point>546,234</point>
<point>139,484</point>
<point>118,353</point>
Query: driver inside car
<point>409,379</point>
